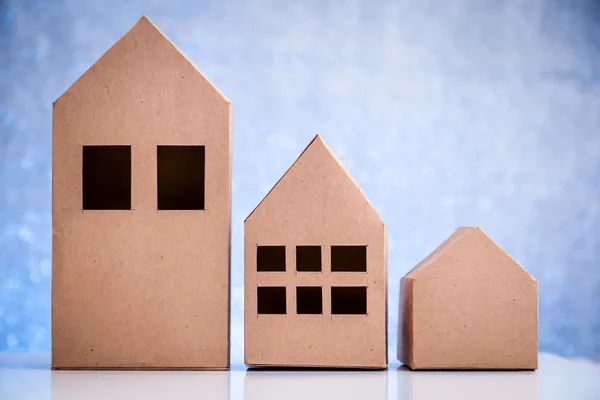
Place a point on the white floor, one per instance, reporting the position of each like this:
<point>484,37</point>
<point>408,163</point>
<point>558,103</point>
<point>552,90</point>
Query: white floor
<point>27,376</point>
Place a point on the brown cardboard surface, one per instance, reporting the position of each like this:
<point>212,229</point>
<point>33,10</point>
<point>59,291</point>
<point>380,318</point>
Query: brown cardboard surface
<point>316,203</point>
<point>468,305</point>
<point>405,322</point>
<point>141,288</point>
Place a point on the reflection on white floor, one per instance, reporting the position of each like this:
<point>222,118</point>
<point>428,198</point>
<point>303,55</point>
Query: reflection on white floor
<point>24,382</point>
<point>489,385</point>
<point>310,385</point>
<point>27,376</point>
<point>142,385</point>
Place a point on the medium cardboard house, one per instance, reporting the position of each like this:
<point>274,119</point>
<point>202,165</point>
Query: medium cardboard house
<point>315,270</point>
<point>141,212</point>
<point>468,305</point>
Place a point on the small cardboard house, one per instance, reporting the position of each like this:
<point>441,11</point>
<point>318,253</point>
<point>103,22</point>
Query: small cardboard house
<point>468,305</point>
<point>316,270</point>
<point>141,212</point>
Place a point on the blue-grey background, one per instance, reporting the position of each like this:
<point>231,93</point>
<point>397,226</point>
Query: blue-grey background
<point>447,113</point>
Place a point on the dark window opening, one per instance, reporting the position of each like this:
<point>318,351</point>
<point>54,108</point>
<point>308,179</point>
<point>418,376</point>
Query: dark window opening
<point>349,258</point>
<point>309,300</point>
<point>180,171</point>
<point>349,300</point>
<point>271,300</point>
<point>106,178</point>
<point>308,258</point>
<point>270,258</point>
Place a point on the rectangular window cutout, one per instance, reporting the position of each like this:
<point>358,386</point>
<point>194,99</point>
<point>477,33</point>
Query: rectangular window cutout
<point>270,258</point>
<point>309,300</point>
<point>180,181</point>
<point>348,300</point>
<point>271,300</point>
<point>349,258</point>
<point>106,178</point>
<point>308,258</point>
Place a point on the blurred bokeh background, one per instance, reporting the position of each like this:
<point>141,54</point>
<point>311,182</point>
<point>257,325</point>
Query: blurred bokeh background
<point>448,113</point>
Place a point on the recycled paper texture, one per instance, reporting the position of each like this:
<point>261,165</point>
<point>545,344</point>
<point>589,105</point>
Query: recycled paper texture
<point>141,212</point>
<point>315,270</point>
<point>468,305</point>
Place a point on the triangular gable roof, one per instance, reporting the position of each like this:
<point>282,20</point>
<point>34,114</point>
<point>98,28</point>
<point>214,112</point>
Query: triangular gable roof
<point>449,244</point>
<point>143,27</point>
<point>316,143</point>
<point>441,249</point>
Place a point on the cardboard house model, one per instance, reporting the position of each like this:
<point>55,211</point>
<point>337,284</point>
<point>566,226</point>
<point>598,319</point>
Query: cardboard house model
<point>468,305</point>
<point>141,212</point>
<point>315,270</point>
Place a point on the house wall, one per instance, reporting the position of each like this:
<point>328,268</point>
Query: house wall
<point>141,288</point>
<point>405,322</point>
<point>316,203</point>
<point>488,323</point>
<point>312,339</point>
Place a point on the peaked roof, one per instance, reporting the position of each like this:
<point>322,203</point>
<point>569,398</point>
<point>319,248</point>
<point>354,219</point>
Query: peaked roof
<point>316,144</point>
<point>145,27</point>
<point>449,244</point>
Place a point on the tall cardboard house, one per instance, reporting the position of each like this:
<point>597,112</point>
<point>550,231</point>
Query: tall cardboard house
<point>141,212</point>
<point>315,270</point>
<point>468,305</point>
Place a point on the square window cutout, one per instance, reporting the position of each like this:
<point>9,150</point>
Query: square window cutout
<point>349,258</point>
<point>271,300</point>
<point>309,300</point>
<point>106,178</point>
<point>308,258</point>
<point>270,258</point>
<point>180,178</point>
<point>348,300</point>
